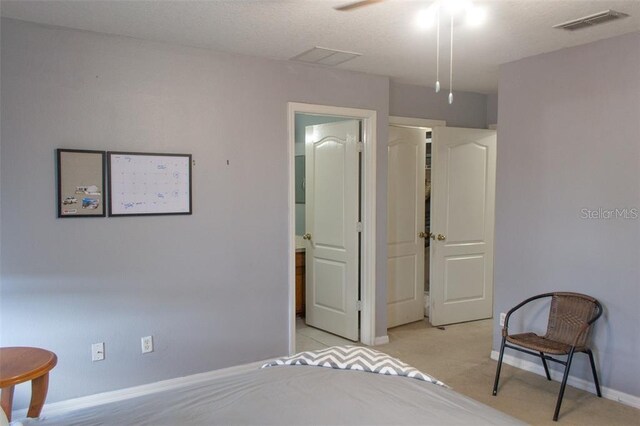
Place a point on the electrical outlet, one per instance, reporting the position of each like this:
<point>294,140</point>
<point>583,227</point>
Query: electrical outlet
<point>97,351</point>
<point>502,318</point>
<point>147,344</point>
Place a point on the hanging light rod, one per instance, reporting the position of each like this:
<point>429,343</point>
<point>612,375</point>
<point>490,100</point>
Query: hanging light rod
<point>474,15</point>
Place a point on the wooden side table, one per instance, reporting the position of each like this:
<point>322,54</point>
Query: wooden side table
<point>21,364</point>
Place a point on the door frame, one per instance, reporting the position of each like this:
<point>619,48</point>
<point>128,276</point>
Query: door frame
<point>368,211</point>
<point>415,122</point>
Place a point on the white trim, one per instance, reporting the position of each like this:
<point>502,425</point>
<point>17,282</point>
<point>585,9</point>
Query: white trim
<point>368,259</point>
<point>291,246</point>
<point>415,122</point>
<point>608,393</point>
<point>381,340</point>
<point>70,405</point>
<point>368,255</point>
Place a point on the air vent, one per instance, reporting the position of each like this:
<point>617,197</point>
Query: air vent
<point>324,56</point>
<point>591,20</point>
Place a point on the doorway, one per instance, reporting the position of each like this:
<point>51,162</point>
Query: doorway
<point>408,218</point>
<point>364,303</point>
<point>453,243</point>
<point>407,223</point>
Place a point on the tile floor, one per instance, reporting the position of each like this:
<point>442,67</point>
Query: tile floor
<point>312,339</point>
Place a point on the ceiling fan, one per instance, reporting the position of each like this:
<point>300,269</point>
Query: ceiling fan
<point>453,7</point>
<point>356,5</point>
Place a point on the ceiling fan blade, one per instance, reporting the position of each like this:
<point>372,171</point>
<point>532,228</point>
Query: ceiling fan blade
<point>356,5</point>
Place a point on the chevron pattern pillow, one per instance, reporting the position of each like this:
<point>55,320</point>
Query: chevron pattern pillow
<point>355,358</point>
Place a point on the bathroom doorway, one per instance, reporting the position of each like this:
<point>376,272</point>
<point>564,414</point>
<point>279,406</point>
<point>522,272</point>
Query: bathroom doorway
<point>332,220</point>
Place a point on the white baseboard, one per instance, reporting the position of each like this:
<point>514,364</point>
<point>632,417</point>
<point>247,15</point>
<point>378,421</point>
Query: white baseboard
<point>63,407</point>
<point>380,340</point>
<point>608,393</point>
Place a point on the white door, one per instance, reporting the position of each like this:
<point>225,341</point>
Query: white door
<point>331,216</point>
<point>463,182</point>
<point>405,225</point>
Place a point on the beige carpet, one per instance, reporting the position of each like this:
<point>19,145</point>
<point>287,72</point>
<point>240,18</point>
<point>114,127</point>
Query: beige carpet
<point>459,356</point>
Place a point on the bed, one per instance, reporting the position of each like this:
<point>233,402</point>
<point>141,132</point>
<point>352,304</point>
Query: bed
<point>336,386</point>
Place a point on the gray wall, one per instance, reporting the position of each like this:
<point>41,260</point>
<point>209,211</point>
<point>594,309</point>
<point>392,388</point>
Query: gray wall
<point>492,109</point>
<point>468,109</point>
<point>568,140</point>
<point>212,287</point>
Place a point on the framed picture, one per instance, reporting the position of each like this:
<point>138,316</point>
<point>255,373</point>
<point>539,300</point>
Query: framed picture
<point>80,178</point>
<point>149,184</point>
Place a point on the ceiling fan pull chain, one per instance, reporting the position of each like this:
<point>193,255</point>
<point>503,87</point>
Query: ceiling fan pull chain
<point>451,66</point>
<point>438,50</point>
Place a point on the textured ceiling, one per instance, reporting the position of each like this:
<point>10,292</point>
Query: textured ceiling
<point>384,33</point>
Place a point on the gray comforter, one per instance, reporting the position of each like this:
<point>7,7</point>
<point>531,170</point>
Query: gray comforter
<point>294,395</point>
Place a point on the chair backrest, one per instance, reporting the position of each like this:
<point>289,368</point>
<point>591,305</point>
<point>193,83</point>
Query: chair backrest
<point>570,313</point>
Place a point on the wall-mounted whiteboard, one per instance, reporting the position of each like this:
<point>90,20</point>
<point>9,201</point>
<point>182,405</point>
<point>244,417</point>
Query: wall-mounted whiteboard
<point>149,184</point>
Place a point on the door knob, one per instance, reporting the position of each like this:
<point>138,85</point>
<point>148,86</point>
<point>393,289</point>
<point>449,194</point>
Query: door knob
<point>424,234</point>
<point>306,236</point>
<point>441,237</point>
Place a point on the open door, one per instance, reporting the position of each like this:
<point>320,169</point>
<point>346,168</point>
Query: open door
<point>462,222</point>
<point>405,225</point>
<point>331,216</point>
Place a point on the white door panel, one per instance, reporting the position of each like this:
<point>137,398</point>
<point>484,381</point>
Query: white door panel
<point>467,192</point>
<point>403,269</point>
<point>331,294</point>
<point>468,274</point>
<point>462,212</point>
<point>405,220</point>
<point>331,216</point>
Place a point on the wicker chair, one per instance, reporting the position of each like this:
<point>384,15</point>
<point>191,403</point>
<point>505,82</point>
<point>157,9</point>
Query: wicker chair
<point>570,318</point>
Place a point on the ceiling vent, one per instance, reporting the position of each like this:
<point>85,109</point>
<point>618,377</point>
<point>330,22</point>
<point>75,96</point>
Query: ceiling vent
<point>323,56</point>
<point>591,20</point>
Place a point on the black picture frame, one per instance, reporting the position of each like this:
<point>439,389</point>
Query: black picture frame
<point>149,184</point>
<point>80,179</point>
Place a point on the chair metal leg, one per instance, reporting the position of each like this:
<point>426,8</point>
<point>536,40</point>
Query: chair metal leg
<point>563,385</point>
<point>495,383</point>
<point>595,374</point>
<point>544,364</point>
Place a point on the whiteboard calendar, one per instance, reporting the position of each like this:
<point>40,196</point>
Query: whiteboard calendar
<point>149,184</point>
